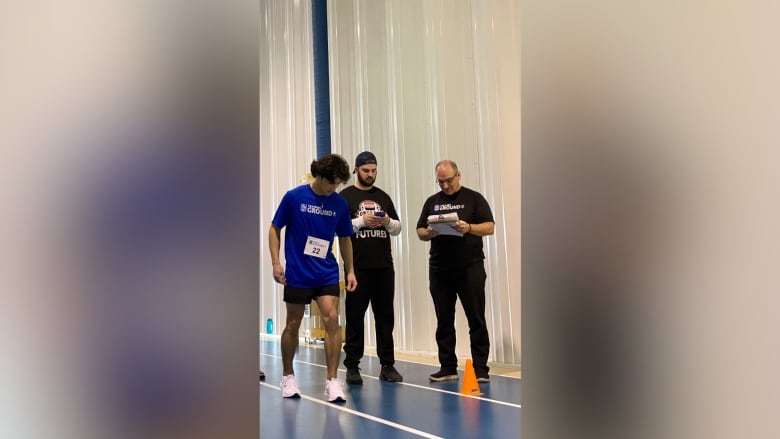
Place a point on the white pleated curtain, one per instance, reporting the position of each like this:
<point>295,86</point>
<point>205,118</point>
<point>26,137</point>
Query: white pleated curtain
<point>414,82</point>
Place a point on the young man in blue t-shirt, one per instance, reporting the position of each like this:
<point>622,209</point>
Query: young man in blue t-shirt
<point>312,214</point>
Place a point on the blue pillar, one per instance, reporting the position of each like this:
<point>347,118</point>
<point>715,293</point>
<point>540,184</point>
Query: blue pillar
<point>319,19</point>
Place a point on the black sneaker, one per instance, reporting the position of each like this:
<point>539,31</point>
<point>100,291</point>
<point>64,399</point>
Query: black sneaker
<point>353,376</point>
<point>444,375</point>
<point>261,375</point>
<point>482,375</point>
<point>390,374</point>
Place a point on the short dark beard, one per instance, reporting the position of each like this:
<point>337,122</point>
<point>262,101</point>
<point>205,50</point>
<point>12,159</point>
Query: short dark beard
<point>363,182</point>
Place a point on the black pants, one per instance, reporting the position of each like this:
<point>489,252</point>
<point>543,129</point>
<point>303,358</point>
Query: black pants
<point>377,287</point>
<point>446,287</point>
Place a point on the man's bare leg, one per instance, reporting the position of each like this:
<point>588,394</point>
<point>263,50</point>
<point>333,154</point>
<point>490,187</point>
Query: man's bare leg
<point>290,336</point>
<point>329,309</point>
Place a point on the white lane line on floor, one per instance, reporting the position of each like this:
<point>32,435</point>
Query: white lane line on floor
<point>362,415</point>
<point>433,365</point>
<point>367,354</point>
<point>494,401</point>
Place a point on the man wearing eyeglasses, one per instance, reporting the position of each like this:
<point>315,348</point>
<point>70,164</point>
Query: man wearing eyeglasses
<point>456,269</point>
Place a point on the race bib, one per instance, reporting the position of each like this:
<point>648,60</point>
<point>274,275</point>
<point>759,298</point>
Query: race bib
<point>316,247</point>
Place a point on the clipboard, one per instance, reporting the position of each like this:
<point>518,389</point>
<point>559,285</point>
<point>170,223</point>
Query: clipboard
<point>443,223</point>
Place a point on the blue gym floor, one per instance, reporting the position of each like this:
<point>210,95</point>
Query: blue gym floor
<point>377,409</point>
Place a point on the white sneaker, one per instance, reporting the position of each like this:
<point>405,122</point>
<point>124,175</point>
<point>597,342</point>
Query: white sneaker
<point>334,390</point>
<point>290,387</point>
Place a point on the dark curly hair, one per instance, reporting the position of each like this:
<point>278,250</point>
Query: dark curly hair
<point>331,167</point>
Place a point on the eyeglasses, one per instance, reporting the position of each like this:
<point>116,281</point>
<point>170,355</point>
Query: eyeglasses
<point>448,180</point>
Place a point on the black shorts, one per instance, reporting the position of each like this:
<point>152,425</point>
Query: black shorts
<point>305,295</point>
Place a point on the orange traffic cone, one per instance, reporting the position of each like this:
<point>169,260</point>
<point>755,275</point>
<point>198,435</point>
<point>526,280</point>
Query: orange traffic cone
<point>470,385</point>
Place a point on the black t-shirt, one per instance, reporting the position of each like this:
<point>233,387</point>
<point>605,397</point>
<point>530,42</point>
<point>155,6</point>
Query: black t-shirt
<point>455,252</point>
<point>370,247</point>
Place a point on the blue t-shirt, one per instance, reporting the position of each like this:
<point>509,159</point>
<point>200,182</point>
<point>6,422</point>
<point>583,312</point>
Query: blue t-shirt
<point>308,215</point>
